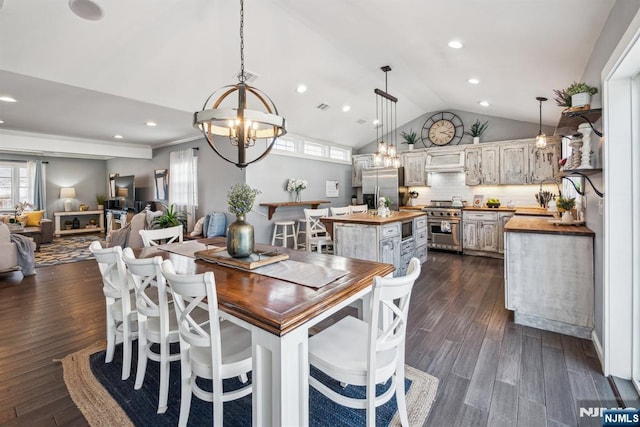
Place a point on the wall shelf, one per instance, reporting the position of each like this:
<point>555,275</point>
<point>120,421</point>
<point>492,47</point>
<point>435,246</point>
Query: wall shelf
<point>584,173</point>
<point>570,120</point>
<point>275,205</point>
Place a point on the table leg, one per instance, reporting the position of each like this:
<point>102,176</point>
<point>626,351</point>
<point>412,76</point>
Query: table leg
<point>280,378</point>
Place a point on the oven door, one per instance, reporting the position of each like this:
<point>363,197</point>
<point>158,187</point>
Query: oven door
<point>444,234</point>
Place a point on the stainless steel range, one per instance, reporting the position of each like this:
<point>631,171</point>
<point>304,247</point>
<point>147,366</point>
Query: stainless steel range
<point>444,226</point>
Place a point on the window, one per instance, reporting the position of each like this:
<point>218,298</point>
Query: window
<point>339,153</point>
<point>14,184</point>
<point>313,149</point>
<point>294,146</point>
<point>285,145</point>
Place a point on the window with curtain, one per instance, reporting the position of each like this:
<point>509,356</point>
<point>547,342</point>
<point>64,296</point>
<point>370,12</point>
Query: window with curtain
<point>14,184</point>
<point>183,182</point>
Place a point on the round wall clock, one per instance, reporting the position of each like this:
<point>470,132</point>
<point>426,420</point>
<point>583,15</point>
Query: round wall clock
<point>441,129</point>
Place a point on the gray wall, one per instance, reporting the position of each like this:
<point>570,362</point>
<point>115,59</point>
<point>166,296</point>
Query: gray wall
<point>617,22</point>
<point>498,129</point>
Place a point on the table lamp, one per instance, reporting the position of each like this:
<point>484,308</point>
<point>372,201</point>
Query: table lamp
<point>67,194</point>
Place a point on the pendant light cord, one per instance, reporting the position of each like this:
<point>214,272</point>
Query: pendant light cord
<point>540,129</point>
<point>242,77</point>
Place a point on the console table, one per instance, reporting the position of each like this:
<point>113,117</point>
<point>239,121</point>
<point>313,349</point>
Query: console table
<point>97,214</point>
<point>275,205</point>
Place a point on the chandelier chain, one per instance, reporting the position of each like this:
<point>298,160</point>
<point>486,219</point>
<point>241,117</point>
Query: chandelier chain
<point>242,77</point>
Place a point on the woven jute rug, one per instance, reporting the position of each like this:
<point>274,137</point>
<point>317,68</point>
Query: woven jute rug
<point>101,409</point>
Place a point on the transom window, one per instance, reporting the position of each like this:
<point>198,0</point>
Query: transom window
<point>298,147</point>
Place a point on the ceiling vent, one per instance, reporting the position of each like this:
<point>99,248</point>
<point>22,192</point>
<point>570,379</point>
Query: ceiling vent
<point>249,76</point>
<point>361,121</point>
<point>323,107</point>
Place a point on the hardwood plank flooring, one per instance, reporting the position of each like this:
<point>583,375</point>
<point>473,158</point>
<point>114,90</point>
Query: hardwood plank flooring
<point>491,371</point>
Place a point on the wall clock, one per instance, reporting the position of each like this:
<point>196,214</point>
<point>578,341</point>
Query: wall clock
<point>441,129</point>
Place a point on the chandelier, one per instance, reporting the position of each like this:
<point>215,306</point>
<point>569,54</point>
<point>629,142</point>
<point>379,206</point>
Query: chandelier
<point>386,123</point>
<point>240,124</point>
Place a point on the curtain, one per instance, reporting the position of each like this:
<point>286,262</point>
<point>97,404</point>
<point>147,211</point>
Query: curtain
<point>37,179</point>
<point>183,182</point>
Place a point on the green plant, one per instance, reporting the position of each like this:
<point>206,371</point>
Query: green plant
<point>410,137</point>
<point>477,129</point>
<point>387,202</point>
<point>581,88</point>
<point>562,98</point>
<point>100,198</point>
<point>241,198</point>
<point>565,203</point>
<point>170,218</point>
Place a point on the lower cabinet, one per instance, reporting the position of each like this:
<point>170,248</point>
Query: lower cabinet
<point>503,218</point>
<point>369,242</point>
<point>480,234</point>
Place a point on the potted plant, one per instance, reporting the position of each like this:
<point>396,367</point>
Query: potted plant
<point>562,98</point>
<point>240,240</point>
<point>564,205</point>
<point>477,129</point>
<point>409,138</point>
<point>580,94</point>
<point>100,200</point>
<point>170,218</point>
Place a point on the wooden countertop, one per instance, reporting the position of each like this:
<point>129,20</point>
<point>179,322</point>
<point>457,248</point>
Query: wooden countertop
<point>367,218</point>
<point>272,206</point>
<point>413,208</point>
<point>517,210</point>
<point>543,226</point>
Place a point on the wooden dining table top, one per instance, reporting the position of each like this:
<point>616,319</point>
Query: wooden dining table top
<point>272,304</point>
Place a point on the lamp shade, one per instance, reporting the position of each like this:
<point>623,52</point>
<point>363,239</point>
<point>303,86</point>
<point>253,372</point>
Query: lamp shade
<point>122,192</point>
<point>68,193</point>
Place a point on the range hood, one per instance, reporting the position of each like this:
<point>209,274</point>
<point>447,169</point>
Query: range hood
<point>445,161</point>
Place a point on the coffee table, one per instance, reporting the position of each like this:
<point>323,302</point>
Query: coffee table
<point>34,232</point>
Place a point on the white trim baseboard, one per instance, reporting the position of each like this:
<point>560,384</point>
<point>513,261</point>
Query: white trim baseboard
<point>596,344</point>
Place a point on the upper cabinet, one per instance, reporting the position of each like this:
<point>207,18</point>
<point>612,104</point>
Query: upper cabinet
<point>543,162</point>
<point>414,168</point>
<point>359,161</point>
<point>514,163</point>
<point>482,165</point>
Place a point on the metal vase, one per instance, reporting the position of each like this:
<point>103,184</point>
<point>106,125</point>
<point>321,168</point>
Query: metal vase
<point>240,241</point>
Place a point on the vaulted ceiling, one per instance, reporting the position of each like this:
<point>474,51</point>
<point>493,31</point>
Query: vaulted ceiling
<point>159,60</point>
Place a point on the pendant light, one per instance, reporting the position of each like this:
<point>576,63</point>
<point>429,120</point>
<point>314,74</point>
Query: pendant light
<point>541,139</point>
<point>239,125</point>
<point>386,120</point>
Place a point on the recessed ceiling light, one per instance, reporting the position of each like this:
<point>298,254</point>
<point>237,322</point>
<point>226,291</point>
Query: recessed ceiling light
<point>346,108</point>
<point>375,122</point>
<point>474,81</point>
<point>86,9</point>
<point>484,103</point>
<point>7,99</point>
<point>301,88</point>
<point>118,136</point>
<point>455,44</point>
<point>1,122</point>
<point>151,124</point>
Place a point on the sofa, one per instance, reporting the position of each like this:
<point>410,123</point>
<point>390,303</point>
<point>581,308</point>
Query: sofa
<point>9,260</point>
<point>129,234</point>
<point>34,219</point>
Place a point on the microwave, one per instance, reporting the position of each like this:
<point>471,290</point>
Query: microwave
<point>407,229</point>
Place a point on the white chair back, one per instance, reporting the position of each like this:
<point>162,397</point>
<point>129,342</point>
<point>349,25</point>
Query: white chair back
<point>340,211</point>
<point>315,227</point>
<point>161,236</point>
<point>358,208</point>
<point>149,284</point>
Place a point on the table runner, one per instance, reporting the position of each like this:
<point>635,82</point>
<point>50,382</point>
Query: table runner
<point>314,276</point>
<point>187,248</point>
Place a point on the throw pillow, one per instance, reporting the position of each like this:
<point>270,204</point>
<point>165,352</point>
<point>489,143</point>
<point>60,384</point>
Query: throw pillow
<point>197,229</point>
<point>217,225</point>
<point>33,218</point>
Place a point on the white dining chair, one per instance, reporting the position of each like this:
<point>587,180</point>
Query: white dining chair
<point>120,303</point>
<point>156,237</point>
<point>340,211</point>
<point>317,236</point>
<point>156,320</point>
<point>358,208</point>
<point>217,351</point>
<point>356,352</point>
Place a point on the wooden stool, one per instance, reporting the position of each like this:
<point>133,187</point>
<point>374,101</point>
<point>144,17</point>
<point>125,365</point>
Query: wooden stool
<point>299,231</point>
<point>283,233</point>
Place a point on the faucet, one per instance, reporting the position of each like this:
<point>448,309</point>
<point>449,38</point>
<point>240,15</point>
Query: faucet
<point>555,181</point>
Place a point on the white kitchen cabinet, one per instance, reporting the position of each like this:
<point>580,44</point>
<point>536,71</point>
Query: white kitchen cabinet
<point>482,165</point>
<point>414,172</point>
<point>503,218</point>
<point>514,163</point>
<point>369,242</point>
<point>420,238</point>
<point>480,233</point>
<point>359,162</point>
<point>470,235</point>
<point>488,236</point>
<point>543,162</point>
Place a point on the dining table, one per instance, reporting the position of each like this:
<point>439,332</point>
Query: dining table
<point>279,314</point>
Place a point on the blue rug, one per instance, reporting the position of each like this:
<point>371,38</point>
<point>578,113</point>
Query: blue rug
<point>141,405</point>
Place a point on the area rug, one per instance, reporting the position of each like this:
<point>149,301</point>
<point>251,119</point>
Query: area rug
<point>105,400</point>
<point>66,249</point>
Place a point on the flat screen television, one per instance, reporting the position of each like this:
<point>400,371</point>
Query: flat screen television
<point>125,190</point>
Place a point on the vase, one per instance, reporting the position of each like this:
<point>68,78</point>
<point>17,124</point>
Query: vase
<point>581,100</point>
<point>240,241</point>
<point>410,147</point>
<point>476,140</point>
<point>567,218</point>
<point>298,196</point>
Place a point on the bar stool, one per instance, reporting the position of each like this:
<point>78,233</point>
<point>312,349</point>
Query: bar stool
<point>283,233</point>
<point>301,228</point>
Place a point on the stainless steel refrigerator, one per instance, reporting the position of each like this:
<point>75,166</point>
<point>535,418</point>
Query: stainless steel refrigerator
<point>382,182</point>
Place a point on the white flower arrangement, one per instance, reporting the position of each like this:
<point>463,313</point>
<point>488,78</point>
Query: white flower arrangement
<point>297,184</point>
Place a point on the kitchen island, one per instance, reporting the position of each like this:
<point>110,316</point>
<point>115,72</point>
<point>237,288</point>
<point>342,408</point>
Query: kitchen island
<point>392,239</point>
<point>548,274</point>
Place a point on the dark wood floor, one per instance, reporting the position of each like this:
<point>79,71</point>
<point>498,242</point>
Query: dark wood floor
<point>491,371</point>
